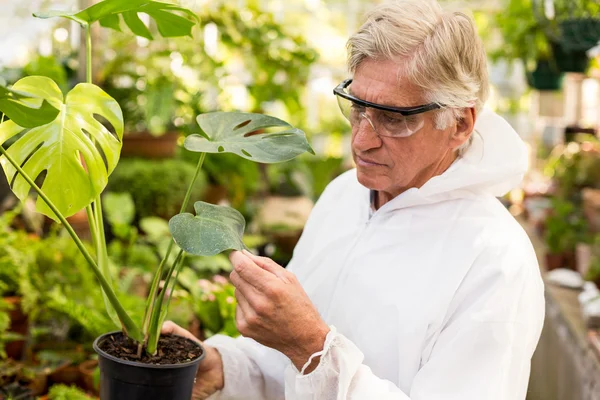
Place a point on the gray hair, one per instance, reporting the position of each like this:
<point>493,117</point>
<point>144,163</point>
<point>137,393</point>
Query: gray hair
<point>439,51</point>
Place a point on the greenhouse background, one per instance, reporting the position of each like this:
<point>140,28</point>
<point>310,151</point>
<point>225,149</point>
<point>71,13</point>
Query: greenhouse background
<point>281,58</point>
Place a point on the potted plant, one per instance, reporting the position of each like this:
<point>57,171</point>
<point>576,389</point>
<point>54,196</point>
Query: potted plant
<point>564,228</point>
<point>524,38</point>
<point>574,28</point>
<point>78,153</point>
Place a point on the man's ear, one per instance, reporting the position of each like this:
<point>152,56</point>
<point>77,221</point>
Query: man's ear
<point>464,127</point>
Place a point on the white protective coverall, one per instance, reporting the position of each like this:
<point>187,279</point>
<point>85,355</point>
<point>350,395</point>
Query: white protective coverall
<point>437,295</point>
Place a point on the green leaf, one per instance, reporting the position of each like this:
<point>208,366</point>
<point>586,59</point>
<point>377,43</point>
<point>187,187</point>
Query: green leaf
<point>213,230</point>
<point>155,228</point>
<point>119,208</point>
<point>240,133</point>
<point>168,18</point>
<point>25,109</point>
<point>60,146</point>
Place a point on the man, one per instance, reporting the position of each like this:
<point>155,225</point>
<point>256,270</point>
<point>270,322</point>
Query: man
<point>411,281</point>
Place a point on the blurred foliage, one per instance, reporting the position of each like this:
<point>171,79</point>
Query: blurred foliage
<point>64,392</point>
<point>164,86</point>
<point>574,166</point>
<point>158,187</point>
<point>565,227</point>
<point>213,302</point>
<point>593,272</point>
<point>523,35</point>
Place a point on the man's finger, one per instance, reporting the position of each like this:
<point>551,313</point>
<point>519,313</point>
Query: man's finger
<point>269,265</point>
<point>248,293</point>
<point>249,271</point>
<point>171,328</point>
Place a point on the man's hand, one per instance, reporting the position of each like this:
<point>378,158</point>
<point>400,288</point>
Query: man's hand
<point>274,310</point>
<point>209,378</point>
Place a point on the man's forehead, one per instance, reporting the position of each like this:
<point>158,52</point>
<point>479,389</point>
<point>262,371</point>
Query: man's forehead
<point>391,93</point>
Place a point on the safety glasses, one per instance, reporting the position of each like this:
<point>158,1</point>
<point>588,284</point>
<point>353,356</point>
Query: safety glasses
<point>385,120</point>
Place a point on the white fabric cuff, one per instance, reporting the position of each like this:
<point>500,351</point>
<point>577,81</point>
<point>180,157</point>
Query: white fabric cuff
<point>225,345</point>
<point>340,359</point>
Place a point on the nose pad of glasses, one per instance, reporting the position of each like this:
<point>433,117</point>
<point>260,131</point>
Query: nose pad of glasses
<point>365,116</point>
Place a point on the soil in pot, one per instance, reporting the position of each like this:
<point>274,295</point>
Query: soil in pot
<point>169,375</point>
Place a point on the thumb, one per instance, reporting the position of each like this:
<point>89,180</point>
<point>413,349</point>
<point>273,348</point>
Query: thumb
<point>171,328</point>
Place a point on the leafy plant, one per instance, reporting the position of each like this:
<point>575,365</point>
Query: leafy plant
<point>156,186</point>
<point>64,392</point>
<point>78,153</point>
<point>6,336</point>
<point>523,33</point>
<point>213,302</point>
<point>574,166</point>
<point>565,227</point>
<point>593,272</point>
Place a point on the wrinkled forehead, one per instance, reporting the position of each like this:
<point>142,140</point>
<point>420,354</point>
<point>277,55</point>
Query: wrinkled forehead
<point>384,82</point>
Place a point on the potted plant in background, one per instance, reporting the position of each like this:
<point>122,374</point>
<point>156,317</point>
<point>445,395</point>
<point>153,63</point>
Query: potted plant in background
<point>524,38</point>
<point>79,148</point>
<point>564,228</point>
<point>574,28</point>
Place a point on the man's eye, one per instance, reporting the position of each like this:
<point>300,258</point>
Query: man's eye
<point>393,118</point>
<point>357,108</point>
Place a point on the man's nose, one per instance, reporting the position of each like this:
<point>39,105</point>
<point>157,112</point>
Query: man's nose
<point>365,136</point>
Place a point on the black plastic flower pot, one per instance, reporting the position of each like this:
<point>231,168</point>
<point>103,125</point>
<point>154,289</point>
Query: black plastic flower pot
<point>131,380</point>
<point>570,59</point>
<point>545,77</point>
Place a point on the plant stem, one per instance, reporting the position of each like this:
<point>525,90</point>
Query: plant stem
<point>154,329</point>
<point>92,222</point>
<point>188,194</point>
<point>128,325</point>
<point>98,226</point>
<point>88,54</point>
<point>154,287</point>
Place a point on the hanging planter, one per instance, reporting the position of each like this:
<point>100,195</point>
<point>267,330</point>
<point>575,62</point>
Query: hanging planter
<point>577,36</point>
<point>570,59</point>
<point>545,77</point>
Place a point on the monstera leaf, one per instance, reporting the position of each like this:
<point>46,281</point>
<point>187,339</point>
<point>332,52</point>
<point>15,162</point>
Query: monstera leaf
<point>213,230</point>
<point>76,150</point>
<point>242,134</point>
<point>110,12</point>
<point>25,109</point>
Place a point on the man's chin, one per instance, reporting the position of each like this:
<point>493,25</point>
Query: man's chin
<point>368,179</point>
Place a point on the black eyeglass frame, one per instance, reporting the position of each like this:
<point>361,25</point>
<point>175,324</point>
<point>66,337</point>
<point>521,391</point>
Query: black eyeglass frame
<point>405,111</point>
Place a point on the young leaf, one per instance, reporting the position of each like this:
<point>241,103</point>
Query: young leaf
<point>25,109</point>
<point>240,133</point>
<point>213,230</point>
<point>168,18</point>
<point>60,146</point>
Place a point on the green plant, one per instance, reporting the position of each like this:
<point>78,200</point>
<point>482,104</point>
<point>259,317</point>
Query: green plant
<point>78,153</point>
<point>157,186</point>
<point>213,302</point>
<point>17,255</point>
<point>565,227</point>
<point>593,272</point>
<point>523,34</point>
<point>574,167</point>
<point>6,336</point>
<point>64,392</point>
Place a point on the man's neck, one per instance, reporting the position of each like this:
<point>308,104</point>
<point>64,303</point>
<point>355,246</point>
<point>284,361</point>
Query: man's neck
<point>380,197</point>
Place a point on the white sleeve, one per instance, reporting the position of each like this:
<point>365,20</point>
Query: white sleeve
<point>252,371</point>
<point>482,351</point>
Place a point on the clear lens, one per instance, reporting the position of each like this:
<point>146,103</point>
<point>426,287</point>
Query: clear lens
<point>385,123</point>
